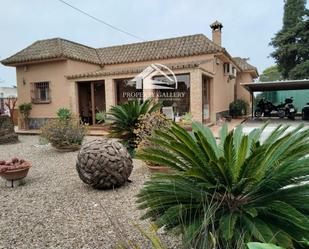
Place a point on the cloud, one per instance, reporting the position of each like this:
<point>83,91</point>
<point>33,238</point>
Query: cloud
<point>248,25</point>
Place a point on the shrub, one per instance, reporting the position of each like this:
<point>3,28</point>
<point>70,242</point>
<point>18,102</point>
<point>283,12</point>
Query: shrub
<point>238,107</point>
<point>25,109</point>
<point>100,117</point>
<point>146,127</point>
<point>124,119</point>
<point>64,114</point>
<point>150,122</point>
<point>187,118</point>
<point>237,189</point>
<point>64,134</point>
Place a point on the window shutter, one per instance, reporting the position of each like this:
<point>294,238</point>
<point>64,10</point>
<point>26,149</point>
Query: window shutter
<point>32,92</point>
<point>49,91</point>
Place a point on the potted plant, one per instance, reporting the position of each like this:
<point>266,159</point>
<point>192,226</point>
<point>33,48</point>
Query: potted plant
<point>145,132</point>
<point>14,169</point>
<point>65,133</point>
<point>101,119</point>
<point>238,108</point>
<point>24,110</point>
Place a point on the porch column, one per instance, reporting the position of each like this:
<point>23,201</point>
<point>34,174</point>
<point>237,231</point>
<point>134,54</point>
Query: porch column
<point>147,93</point>
<point>196,95</point>
<point>110,93</point>
<point>73,97</point>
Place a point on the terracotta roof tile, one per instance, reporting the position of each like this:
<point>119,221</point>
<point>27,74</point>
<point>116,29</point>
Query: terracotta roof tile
<point>243,64</point>
<point>52,49</point>
<point>143,51</point>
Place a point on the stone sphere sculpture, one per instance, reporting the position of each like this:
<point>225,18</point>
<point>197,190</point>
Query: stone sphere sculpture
<point>104,164</point>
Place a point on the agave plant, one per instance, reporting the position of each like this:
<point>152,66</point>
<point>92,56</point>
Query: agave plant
<point>226,193</point>
<point>124,119</point>
<point>64,114</point>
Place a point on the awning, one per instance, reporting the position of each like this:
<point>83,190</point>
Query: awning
<point>276,85</point>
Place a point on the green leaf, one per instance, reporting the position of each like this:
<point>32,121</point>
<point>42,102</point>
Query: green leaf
<point>256,245</point>
<point>227,223</point>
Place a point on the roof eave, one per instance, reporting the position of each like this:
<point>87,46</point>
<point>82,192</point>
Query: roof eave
<point>254,73</point>
<point>225,54</point>
<point>23,63</point>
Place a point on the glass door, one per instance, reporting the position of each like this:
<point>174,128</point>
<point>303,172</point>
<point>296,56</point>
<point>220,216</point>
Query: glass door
<point>206,99</point>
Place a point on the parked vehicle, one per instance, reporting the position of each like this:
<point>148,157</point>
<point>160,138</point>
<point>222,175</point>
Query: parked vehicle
<point>264,108</point>
<point>305,112</point>
<point>286,109</point>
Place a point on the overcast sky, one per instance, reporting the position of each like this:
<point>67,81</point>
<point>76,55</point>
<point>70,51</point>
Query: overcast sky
<point>248,28</point>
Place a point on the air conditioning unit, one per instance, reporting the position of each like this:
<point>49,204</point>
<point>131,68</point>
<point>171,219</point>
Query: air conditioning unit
<point>229,70</point>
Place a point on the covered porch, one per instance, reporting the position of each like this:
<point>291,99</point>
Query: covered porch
<point>100,90</point>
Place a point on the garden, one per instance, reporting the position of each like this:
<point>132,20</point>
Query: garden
<point>154,183</point>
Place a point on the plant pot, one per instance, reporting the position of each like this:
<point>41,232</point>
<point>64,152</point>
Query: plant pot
<point>67,148</point>
<point>13,175</point>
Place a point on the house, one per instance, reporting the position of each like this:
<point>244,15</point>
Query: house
<point>57,73</point>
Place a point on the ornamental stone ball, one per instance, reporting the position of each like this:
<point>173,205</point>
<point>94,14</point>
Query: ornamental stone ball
<point>104,163</point>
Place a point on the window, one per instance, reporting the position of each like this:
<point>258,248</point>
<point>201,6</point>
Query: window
<point>127,92</point>
<point>178,98</point>
<point>40,92</point>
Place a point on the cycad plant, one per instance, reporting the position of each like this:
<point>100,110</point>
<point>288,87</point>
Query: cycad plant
<point>124,119</point>
<point>226,193</point>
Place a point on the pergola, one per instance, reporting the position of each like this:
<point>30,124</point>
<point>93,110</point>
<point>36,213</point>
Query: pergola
<point>275,86</point>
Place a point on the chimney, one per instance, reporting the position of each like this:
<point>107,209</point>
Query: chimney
<point>216,32</point>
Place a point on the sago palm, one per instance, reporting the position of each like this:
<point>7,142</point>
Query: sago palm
<point>124,118</point>
<point>225,193</point>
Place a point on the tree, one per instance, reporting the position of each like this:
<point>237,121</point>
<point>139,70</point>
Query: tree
<point>11,104</point>
<point>294,10</point>
<point>291,43</point>
<point>270,74</point>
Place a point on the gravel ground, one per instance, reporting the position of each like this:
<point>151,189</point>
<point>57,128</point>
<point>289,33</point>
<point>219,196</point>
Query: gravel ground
<point>54,209</point>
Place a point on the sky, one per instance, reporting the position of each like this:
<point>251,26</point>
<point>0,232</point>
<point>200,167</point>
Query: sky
<point>248,25</point>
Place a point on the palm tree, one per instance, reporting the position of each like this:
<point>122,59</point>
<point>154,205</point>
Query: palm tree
<point>224,194</point>
<point>124,119</point>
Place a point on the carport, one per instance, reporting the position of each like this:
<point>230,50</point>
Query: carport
<point>274,86</point>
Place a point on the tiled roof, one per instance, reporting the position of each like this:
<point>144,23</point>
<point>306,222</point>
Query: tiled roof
<point>243,64</point>
<point>142,51</point>
<point>159,49</point>
<point>53,49</point>
<point>135,70</point>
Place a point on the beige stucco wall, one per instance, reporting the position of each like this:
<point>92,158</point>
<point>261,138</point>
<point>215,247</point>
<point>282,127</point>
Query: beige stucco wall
<point>53,72</point>
<point>64,92</point>
<point>222,92</point>
<point>242,93</point>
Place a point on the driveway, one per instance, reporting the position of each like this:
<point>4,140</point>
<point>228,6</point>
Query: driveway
<point>251,124</point>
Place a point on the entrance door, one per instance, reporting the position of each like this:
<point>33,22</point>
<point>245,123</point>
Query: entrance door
<point>206,99</point>
<point>91,100</point>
